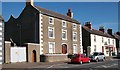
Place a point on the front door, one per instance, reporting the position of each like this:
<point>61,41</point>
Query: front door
<point>64,48</point>
<point>33,56</point>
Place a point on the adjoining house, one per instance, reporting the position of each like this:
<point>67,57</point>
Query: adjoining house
<point>1,40</point>
<point>97,40</point>
<point>56,35</point>
<point>117,37</point>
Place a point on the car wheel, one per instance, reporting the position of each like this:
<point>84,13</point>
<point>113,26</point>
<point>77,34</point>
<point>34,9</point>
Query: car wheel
<point>81,62</point>
<point>103,59</point>
<point>89,61</point>
<point>97,60</point>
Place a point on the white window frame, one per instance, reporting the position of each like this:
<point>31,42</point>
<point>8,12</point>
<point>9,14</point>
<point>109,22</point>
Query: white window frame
<point>73,36</point>
<point>52,20</point>
<point>52,47</point>
<point>75,49</point>
<point>74,26</point>
<point>63,21</point>
<point>62,34</point>
<point>53,32</point>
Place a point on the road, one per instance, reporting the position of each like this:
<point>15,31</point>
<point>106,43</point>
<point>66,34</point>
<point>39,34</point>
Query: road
<point>90,66</point>
<point>106,64</point>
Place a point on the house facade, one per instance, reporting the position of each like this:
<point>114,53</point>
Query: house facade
<point>117,37</point>
<point>1,40</point>
<point>55,33</point>
<point>97,40</point>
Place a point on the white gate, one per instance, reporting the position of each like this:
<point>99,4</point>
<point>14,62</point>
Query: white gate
<point>18,54</point>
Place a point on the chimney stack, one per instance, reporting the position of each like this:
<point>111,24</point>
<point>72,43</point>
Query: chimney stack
<point>109,31</point>
<point>70,13</point>
<point>102,29</point>
<point>29,2</point>
<point>118,33</point>
<point>89,25</point>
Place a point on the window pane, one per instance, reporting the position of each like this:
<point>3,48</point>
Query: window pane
<point>51,32</point>
<point>75,49</point>
<point>74,26</point>
<point>64,34</point>
<point>74,36</point>
<point>64,23</point>
<point>51,47</point>
<point>51,20</point>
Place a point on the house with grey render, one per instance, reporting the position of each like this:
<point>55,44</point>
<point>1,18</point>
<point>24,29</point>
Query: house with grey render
<point>55,34</point>
<point>98,40</point>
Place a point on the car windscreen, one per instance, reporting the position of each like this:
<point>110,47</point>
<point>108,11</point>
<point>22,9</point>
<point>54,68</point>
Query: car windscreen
<point>75,56</point>
<point>95,54</point>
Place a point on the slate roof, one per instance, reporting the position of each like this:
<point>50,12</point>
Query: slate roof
<point>56,15</point>
<point>117,36</point>
<point>97,32</point>
<point>1,18</point>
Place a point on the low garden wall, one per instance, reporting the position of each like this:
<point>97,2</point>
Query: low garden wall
<point>53,57</point>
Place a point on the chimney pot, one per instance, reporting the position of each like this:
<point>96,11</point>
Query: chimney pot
<point>109,31</point>
<point>29,2</point>
<point>70,13</point>
<point>89,25</point>
<point>102,29</point>
<point>118,33</point>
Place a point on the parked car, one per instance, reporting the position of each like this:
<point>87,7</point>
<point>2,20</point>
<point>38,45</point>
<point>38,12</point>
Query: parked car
<point>97,56</point>
<point>80,58</point>
<point>118,55</point>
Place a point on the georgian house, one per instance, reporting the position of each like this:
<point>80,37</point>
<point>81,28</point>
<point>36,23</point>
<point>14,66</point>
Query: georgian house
<point>1,39</point>
<point>98,40</point>
<point>56,34</point>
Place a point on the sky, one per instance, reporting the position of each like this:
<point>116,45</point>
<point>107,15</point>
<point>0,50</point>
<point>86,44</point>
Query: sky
<point>99,13</point>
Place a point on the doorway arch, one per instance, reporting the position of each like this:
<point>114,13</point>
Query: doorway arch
<point>34,56</point>
<point>64,48</point>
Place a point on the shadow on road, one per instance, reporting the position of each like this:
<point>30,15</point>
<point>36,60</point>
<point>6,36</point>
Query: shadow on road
<point>116,57</point>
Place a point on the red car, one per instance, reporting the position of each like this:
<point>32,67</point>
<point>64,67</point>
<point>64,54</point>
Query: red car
<point>80,58</point>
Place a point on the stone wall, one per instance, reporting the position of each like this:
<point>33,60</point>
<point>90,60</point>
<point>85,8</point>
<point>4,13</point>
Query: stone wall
<point>7,51</point>
<point>54,57</point>
<point>30,48</point>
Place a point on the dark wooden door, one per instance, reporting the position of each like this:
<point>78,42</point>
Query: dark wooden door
<point>34,56</point>
<point>64,48</point>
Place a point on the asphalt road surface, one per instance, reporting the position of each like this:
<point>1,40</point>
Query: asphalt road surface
<point>101,64</point>
<point>106,65</point>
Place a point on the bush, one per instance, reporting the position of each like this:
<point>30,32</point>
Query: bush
<point>113,54</point>
<point>70,56</point>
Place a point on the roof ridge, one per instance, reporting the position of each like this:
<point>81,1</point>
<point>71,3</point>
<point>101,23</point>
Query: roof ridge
<point>92,31</point>
<point>61,15</point>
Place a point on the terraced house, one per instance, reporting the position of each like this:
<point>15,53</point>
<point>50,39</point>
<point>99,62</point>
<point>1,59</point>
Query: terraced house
<point>56,35</point>
<point>98,40</point>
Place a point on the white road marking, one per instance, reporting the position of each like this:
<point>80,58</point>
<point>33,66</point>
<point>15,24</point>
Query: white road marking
<point>50,66</point>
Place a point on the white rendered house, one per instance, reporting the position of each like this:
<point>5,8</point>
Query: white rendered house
<point>98,40</point>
